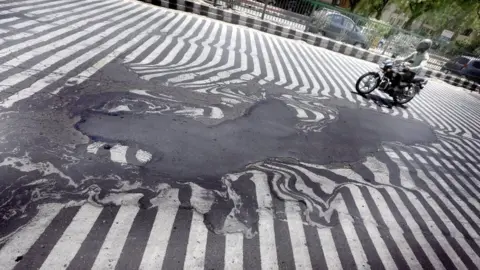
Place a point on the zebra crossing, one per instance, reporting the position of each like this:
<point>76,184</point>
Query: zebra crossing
<point>406,207</point>
<point>231,56</point>
<point>402,207</point>
<point>63,43</point>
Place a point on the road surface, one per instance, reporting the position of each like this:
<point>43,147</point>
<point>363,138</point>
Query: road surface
<point>139,137</point>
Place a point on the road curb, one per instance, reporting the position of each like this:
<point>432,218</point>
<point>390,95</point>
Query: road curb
<point>275,29</point>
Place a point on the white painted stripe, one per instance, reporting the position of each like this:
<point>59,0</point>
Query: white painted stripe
<point>395,230</point>
<point>421,174</point>
<point>201,63</point>
<point>254,54</point>
<point>454,232</point>
<point>72,11</point>
<point>417,232</point>
<point>21,241</point>
<point>167,61</point>
<point>193,45</point>
<point>167,39</point>
<point>338,64</point>
<point>60,55</point>
<point>350,234</point>
<point>36,6</point>
<point>117,235</point>
<point>286,66</point>
<point>69,27</point>
<point>206,47</point>
<point>7,20</point>
<point>472,189</point>
<point>24,24</point>
<point>297,235</point>
<point>294,64</point>
<point>372,229</point>
<point>143,156</point>
<point>18,3</point>
<point>448,187</point>
<point>66,40</point>
<point>197,243</point>
<point>312,71</point>
<point>114,54</point>
<point>457,116</point>
<point>68,245</point>
<point>436,232</point>
<point>326,63</point>
<point>72,15</point>
<point>94,147</point>
<point>329,249</point>
<point>234,251</point>
<point>142,48</point>
<point>280,80</point>
<point>54,9</point>
<point>160,233</point>
<point>379,170</point>
<point>463,155</point>
<point>268,64</point>
<point>225,71</point>
<point>65,69</point>
<point>118,153</point>
<point>221,72</point>
<point>425,116</point>
<point>447,121</point>
<point>266,232</point>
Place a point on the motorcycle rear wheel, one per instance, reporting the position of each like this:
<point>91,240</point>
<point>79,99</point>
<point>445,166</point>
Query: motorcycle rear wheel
<point>403,99</point>
<point>370,76</point>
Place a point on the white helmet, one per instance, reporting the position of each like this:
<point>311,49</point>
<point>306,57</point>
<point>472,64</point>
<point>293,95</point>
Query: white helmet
<point>424,45</point>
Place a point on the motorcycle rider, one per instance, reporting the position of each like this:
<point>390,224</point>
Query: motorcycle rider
<point>418,60</point>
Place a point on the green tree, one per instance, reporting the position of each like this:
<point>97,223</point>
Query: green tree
<point>353,4</point>
<point>471,5</point>
<point>416,8</point>
<point>372,7</point>
<point>458,16</point>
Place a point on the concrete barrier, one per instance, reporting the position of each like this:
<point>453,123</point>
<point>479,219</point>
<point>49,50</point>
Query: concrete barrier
<point>319,41</point>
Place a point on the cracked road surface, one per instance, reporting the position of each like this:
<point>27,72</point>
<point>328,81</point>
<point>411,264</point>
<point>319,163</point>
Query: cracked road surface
<point>137,137</point>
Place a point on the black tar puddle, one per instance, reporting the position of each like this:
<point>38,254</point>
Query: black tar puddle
<point>184,148</point>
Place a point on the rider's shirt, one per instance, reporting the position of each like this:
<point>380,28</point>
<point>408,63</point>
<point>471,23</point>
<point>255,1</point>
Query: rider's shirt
<point>418,60</point>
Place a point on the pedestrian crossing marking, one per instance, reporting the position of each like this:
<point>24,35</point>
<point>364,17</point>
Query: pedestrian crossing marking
<point>426,216</point>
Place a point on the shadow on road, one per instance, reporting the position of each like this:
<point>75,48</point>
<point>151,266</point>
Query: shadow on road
<point>380,101</point>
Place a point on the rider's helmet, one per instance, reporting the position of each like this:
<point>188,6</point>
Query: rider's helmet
<point>424,45</point>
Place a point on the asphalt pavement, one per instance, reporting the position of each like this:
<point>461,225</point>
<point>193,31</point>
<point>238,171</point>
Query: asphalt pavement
<point>138,137</point>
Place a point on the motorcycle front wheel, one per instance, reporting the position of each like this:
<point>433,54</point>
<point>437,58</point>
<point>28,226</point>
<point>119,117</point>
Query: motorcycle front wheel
<point>367,83</point>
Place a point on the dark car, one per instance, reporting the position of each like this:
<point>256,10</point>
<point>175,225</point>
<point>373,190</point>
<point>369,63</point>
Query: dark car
<point>337,26</point>
<point>464,66</point>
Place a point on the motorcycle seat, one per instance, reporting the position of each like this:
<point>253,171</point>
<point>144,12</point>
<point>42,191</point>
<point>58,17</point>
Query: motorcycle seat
<point>419,80</point>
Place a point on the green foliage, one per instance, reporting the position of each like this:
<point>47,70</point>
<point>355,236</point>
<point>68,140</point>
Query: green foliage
<point>457,16</point>
<point>454,15</point>
<point>379,28</point>
<point>442,13</point>
<point>417,8</point>
<point>372,7</point>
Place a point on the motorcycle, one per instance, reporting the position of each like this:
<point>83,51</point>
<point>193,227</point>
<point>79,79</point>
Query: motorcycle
<point>383,80</point>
